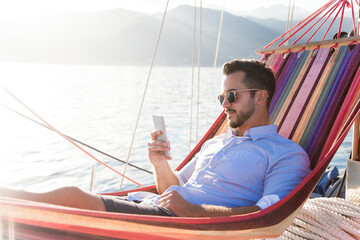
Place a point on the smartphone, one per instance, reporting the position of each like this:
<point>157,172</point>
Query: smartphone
<point>159,124</point>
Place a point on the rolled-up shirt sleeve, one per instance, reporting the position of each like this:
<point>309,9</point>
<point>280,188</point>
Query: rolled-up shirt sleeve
<point>267,201</point>
<point>185,173</point>
<point>283,177</point>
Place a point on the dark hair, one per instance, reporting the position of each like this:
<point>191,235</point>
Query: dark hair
<point>257,75</point>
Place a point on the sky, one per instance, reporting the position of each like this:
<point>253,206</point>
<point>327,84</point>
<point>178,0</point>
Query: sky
<point>20,7</point>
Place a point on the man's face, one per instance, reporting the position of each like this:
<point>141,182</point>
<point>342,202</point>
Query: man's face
<point>243,108</point>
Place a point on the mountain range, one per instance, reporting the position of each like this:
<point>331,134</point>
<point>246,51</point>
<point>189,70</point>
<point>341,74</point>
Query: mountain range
<point>124,37</point>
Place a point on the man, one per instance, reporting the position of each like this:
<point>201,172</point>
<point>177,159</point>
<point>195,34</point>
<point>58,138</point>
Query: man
<point>248,168</point>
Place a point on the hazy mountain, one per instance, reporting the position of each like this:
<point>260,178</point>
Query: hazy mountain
<point>125,37</point>
<point>240,37</point>
<point>277,11</point>
<point>63,38</point>
<point>271,23</point>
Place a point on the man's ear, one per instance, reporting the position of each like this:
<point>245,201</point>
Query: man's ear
<point>261,96</point>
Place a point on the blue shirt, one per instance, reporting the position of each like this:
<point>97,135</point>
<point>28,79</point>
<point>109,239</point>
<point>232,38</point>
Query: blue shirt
<point>257,169</point>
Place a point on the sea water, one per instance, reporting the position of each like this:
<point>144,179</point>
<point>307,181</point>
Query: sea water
<point>99,105</point>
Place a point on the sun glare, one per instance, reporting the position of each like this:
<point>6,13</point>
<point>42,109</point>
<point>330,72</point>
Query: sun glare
<point>17,8</point>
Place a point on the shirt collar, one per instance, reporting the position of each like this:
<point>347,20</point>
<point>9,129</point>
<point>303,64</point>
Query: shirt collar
<point>256,132</point>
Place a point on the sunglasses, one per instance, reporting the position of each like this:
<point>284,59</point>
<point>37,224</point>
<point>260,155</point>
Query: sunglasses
<point>231,95</point>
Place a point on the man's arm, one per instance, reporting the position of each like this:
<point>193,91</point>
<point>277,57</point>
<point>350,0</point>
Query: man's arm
<point>182,208</point>
<point>164,176</point>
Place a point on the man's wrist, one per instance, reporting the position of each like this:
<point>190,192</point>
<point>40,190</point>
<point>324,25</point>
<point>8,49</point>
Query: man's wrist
<point>162,164</point>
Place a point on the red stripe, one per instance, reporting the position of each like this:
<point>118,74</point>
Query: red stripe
<point>66,229</point>
<point>340,119</point>
<point>313,15</point>
<point>302,96</point>
<point>331,25</point>
<point>353,17</point>
<point>333,10</point>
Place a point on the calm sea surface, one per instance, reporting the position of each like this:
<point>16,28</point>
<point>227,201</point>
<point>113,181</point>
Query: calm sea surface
<point>99,105</point>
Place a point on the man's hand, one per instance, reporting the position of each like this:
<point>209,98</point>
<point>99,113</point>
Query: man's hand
<point>164,176</point>
<point>156,150</point>
<point>178,205</point>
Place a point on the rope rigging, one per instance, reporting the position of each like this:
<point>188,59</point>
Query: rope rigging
<point>290,17</point>
<point>72,140</point>
<point>192,77</point>
<point>216,56</point>
<point>65,137</point>
<point>144,94</point>
<point>343,214</point>
<point>75,140</point>
<point>198,85</point>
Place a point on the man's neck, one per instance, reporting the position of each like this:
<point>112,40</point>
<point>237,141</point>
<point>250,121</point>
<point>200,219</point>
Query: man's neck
<point>246,126</point>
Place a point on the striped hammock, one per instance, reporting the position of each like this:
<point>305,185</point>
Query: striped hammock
<point>316,102</point>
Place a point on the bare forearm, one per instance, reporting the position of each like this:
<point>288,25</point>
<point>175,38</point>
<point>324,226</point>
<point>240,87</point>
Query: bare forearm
<point>219,211</point>
<point>165,178</point>
<point>173,201</point>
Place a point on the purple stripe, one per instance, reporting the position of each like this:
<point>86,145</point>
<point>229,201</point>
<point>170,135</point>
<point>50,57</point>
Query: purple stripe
<point>283,79</point>
<point>332,105</point>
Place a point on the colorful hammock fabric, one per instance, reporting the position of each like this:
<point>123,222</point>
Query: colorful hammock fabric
<point>316,101</point>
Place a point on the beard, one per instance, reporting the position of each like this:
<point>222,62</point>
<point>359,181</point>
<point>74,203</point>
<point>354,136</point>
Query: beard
<point>243,116</point>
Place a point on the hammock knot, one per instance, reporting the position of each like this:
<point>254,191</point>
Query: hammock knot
<point>334,46</point>
<point>348,5</point>
<point>302,49</point>
<point>318,47</point>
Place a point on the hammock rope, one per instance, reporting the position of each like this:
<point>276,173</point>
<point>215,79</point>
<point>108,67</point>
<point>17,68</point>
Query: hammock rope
<point>328,10</point>
<point>349,108</point>
<point>308,22</point>
<point>144,94</point>
<point>345,3</point>
<point>333,23</point>
<point>353,17</point>
<point>311,17</point>
<point>65,137</point>
<point>326,218</point>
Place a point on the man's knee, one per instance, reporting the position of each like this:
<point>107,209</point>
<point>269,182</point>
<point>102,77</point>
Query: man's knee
<point>70,191</point>
<point>76,197</point>
<point>67,196</point>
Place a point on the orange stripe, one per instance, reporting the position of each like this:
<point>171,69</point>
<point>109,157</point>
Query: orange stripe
<point>300,128</point>
<point>303,95</point>
<point>293,90</point>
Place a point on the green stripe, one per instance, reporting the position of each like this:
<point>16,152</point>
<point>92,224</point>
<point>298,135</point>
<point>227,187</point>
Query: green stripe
<point>324,94</point>
<point>290,84</point>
